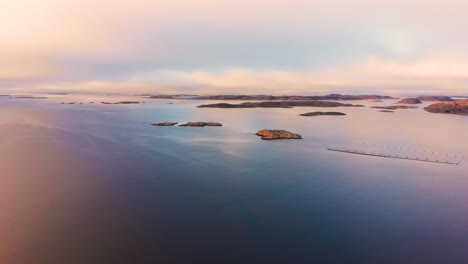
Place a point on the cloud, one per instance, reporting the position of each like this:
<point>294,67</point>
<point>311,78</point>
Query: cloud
<point>438,75</point>
<point>257,43</point>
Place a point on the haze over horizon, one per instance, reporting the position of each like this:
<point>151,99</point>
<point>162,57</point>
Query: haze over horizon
<point>249,47</point>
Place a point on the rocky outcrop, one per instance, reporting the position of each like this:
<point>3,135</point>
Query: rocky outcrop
<point>165,124</point>
<point>270,134</point>
<point>435,98</point>
<point>202,124</point>
<point>409,101</point>
<point>323,113</point>
<point>394,107</point>
<point>279,104</point>
<point>458,107</point>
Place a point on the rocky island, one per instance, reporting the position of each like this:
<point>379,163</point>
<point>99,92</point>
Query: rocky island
<point>333,97</point>
<point>270,134</point>
<point>394,107</point>
<point>165,124</point>
<point>457,107</point>
<point>323,113</point>
<point>201,124</point>
<point>409,101</point>
<point>30,97</point>
<point>435,98</point>
<point>279,104</point>
<point>123,102</point>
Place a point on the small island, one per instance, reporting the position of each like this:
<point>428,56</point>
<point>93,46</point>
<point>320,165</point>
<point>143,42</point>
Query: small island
<point>394,107</point>
<point>270,134</point>
<point>279,104</point>
<point>165,124</point>
<point>323,113</point>
<point>201,124</point>
<point>332,97</point>
<point>30,97</point>
<point>457,107</point>
<point>123,102</point>
<point>387,111</point>
<point>435,98</point>
<point>409,101</point>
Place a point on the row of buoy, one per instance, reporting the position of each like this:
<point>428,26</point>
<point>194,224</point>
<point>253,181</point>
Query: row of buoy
<point>415,150</point>
<point>393,157</point>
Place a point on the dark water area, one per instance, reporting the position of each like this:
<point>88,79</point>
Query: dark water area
<point>96,183</point>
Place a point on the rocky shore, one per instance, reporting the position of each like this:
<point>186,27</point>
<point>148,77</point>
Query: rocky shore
<point>270,134</point>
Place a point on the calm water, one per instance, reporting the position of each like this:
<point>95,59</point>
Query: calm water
<point>96,183</point>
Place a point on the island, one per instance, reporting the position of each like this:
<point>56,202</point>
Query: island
<point>457,107</point>
<point>279,104</point>
<point>435,98</point>
<point>169,96</point>
<point>165,124</point>
<point>332,97</point>
<point>270,134</point>
<point>30,97</point>
<point>387,111</point>
<point>394,107</point>
<point>323,113</point>
<point>123,102</point>
<point>409,101</point>
<point>201,124</point>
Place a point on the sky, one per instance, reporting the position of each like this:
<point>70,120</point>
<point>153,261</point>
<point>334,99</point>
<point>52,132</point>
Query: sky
<point>233,47</point>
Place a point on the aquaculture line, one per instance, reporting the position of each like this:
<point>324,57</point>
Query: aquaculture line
<point>392,157</point>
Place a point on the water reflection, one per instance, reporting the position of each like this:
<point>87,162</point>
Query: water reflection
<point>92,183</point>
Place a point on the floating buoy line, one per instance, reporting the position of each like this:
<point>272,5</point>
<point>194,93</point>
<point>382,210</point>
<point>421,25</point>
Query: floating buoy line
<point>401,157</point>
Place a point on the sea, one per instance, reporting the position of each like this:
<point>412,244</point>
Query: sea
<point>97,183</point>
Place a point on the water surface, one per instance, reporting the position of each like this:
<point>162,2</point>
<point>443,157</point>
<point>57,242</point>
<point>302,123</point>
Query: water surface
<point>93,183</point>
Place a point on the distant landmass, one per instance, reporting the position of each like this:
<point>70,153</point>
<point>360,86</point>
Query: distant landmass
<point>280,104</point>
<point>332,97</point>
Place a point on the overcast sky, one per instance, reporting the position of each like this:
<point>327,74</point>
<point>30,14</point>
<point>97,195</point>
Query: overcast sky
<point>241,46</point>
